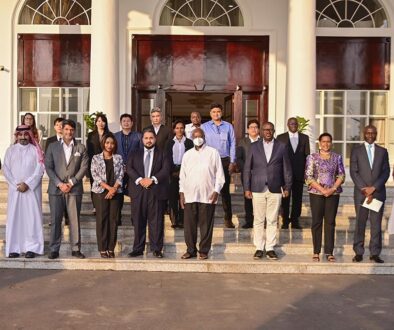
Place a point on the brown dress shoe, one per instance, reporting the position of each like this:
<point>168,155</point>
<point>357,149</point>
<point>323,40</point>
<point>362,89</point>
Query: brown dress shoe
<point>188,255</point>
<point>203,256</point>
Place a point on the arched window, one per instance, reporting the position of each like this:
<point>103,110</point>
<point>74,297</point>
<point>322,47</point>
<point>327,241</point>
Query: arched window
<point>56,12</point>
<point>201,13</point>
<point>350,14</point>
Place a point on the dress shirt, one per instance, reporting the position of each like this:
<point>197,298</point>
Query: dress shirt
<point>156,128</point>
<point>152,153</point>
<point>201,175</point>
<point>372,149</point>
<point>58,137</point>
<point>293,140</point>
<point>178,150</point>
<point>268,146</point>
<point>189,128</point>
<point>221,137</point>
<point>256,139</point>
<point>67,149</point>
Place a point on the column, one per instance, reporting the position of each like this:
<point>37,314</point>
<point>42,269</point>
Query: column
<point>301,64</point>
<point>104,61</point>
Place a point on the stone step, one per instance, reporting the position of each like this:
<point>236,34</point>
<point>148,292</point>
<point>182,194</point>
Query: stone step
<point>288,264</point>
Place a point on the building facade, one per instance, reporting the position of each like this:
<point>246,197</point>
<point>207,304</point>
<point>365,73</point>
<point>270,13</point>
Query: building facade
<point>329,61</point>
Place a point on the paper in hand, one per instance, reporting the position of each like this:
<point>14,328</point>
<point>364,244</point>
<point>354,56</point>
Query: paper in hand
<point>375,205</point>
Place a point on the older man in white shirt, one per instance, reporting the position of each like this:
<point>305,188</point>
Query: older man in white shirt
<point>200,181</point>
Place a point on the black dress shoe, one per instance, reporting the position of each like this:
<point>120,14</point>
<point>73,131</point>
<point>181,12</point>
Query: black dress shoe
<point>78,254</point>
<point>158,254</point>
<point>134,254</point>
<point>247,226</point>
<point>272,255</point>
<point>53,255</point>
<point>13,255</point>
<point>203,256</point>
<point>357,258</point>
<point>228,224</point>
<point>376,259</point>
<point>258,254</point>
<point>296,226</point>
<point>29,255</point>
<point>188,255</point>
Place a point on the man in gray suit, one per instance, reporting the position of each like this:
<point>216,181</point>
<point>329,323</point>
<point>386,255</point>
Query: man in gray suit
<point>267,178</point>
<point>66,163</point>
<point>369,169</point>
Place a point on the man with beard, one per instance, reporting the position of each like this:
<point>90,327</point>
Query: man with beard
<point>149,171</point>
<point>23,170</point>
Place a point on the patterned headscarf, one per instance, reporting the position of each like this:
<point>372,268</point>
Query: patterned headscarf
<point>33,141</point>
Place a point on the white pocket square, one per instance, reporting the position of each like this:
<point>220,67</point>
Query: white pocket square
<point>77,154</point>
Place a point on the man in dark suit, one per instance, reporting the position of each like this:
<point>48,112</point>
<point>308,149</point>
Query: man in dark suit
<point>148,170</point>
<point>163,133</point>
<point>267,178</point>
<point>369,169</point>
<point>57,125</point>
<point>241,152</point>
<point>298,149</point>
<point>66,163</point>
<point>128,142</point>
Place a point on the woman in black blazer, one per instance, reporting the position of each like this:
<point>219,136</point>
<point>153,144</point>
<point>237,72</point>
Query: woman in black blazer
<point>93,142</point>
<point>176,148</point>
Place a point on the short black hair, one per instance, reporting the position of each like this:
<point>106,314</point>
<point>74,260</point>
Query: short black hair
<point>58,120</point>
<point>322,135</point>
<point>69,122</point>
<point>148,130</point>
<point>126,115</point>
<point>216,105</point>
<point>254,121</point>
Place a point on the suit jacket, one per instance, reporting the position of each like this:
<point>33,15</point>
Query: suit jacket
<point>362,174</point>
<point>99,173</point>
<point>93,144</point>
<point>135,144</point>
<point>169,146</point>
<point>275,174</point>
<point>241,152</point>
<point>297,158</point>
<point>49,141</point>
<point>163,135</point>
<point>160,170</point>
<point>59,171</point>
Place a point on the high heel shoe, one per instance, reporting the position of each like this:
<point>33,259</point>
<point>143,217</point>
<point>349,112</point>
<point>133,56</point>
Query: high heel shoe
<point>104,254</point>
<point>111,254</point>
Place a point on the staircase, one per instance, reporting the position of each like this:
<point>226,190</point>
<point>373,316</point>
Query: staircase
<point>232,249</point>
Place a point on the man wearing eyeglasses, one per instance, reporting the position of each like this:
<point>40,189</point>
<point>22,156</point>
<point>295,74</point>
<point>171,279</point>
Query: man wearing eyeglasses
<point>219,134</point>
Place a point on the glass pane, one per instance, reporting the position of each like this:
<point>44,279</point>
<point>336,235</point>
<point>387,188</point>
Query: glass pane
<point>356,103</point>
<point>333,103</point>
<point>354,128</point>
<point>251,108</point>
<point>44,123</point>
<point>349,147</point>
<point>70,99</point>
<point>86,99</point>
<point>334,126</point>
<point>317,105</point>
<point>380,126</point>
<point>337,148</point>
<point>146,106</point>
<point>145,121</point>
<point>28,100</point>
<point>391,131</point>
<point>79,122</point>
<point>48,100</point>
<point>378,103</point>
<point>317,127</point>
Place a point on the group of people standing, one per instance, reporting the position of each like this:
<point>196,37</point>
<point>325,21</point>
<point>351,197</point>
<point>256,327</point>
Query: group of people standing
<point>184,170</point>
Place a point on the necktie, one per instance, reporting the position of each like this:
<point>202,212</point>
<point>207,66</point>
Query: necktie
<point>370,154</point>
<point>146,164</point>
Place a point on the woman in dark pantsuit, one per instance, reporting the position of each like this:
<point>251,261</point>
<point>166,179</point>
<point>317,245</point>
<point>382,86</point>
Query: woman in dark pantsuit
<point>107,173</point>
<point>324,175</point>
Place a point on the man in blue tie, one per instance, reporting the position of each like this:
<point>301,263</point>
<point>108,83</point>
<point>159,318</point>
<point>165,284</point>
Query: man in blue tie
<point>369,169</point>
<point>148,170</point>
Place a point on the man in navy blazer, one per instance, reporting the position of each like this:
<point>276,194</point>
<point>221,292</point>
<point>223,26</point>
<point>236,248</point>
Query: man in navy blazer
<point>128,142</point>
<point>267,178</point>
<point>149,171</point>
<point>369,169</point>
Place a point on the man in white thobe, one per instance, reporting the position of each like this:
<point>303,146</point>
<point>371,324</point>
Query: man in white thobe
<point>200,180</point>
<point>23,169</point>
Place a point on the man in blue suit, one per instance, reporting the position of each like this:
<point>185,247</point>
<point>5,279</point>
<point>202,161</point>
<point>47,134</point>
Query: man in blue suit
<point>267,178</point>
<point>128,142</point>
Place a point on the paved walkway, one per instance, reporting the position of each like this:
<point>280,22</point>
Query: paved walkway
<point>45,299</point>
